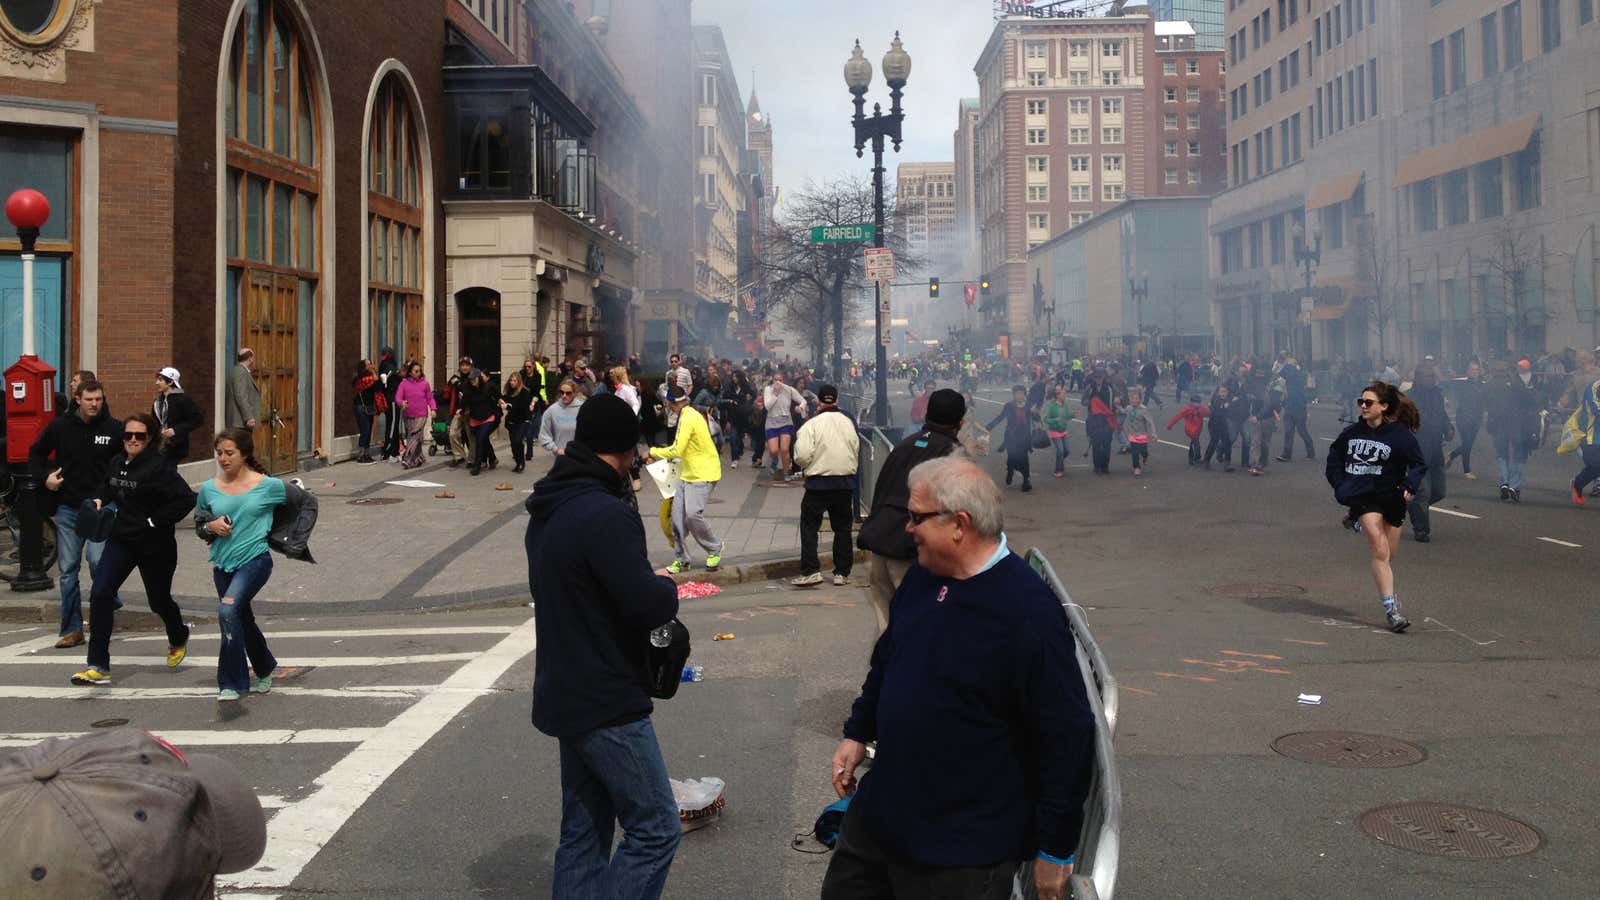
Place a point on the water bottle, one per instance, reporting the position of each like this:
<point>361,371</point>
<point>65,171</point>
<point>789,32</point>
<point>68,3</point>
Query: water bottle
<point>693,674</point>
<point>661,637</point>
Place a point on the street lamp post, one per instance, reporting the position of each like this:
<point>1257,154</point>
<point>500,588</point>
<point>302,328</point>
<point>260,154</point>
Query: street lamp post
<point>876,129</point>
<point>27,210</point>
<point>1140,289</point>
<point>1308,256</point>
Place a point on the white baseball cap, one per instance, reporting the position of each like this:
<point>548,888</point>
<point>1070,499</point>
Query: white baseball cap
<point>170,374</point>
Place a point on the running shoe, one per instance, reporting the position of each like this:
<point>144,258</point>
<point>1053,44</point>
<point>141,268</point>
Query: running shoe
<point>175,655</point>
<point>1505,492</point>
<point>1397,622</point>
<point>1516,495</point>
<point>1577,495</point>
<point>677,567</point>
<point>734,463</point>
<point>713,562</point>
<point>227,694</point>
<point>840,580</point>
<point>92,676</point>
<point>264,684</point>
<point>807,580</point>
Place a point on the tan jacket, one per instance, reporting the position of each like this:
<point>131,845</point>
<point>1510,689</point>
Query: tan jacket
<point>827,444</point>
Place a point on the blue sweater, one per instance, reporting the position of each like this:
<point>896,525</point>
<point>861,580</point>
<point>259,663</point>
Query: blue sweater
<point>984,730</point>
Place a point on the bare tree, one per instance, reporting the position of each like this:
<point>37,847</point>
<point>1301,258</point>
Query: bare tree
<point>1378,263</point>
<point>809,283</point>
<point>1518,263</point>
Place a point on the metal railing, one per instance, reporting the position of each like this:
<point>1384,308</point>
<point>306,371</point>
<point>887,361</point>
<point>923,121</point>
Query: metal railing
<point>1095,872</point>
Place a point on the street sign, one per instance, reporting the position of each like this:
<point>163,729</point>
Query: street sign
<point>838,234</point>
<point>883,303</point>
<point>880,264</point>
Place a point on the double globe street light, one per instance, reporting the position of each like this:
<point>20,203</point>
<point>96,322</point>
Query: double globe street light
<point>875,129</point>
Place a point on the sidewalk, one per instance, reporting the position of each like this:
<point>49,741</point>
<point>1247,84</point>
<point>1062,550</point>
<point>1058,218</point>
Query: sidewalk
<point>384,547</point>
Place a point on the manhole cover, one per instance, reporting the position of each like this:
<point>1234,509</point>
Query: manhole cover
<point>376,501</point>
<point>109,723</point>
<point>1349,750</point>
<point>1257,590</point>
<point>1442,829</point>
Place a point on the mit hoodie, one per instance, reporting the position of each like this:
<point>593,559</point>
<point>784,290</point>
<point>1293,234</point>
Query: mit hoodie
<point>1377,462</point>
<point>598,599</point>
<point>82,451</point>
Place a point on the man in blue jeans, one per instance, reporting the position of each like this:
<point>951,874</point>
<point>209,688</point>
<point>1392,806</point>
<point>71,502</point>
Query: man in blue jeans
<point>82,444</point>
<point>598,603</point>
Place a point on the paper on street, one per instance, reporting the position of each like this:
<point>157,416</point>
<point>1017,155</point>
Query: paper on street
<point>415,483</point>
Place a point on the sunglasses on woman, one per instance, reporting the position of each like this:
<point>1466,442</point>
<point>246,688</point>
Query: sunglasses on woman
<point>1364,403</point>
<point>137,436</point>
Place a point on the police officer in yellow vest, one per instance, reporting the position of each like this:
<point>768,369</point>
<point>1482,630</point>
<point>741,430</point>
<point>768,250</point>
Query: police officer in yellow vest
<point>533,377</point>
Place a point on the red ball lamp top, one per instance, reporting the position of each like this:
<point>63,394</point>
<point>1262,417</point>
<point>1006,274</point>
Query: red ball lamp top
<point>27,208</point>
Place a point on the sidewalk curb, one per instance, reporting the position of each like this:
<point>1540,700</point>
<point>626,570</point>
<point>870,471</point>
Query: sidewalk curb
<point>49,613</point>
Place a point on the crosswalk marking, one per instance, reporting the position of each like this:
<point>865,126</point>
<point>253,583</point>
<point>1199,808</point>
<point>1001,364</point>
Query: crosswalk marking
<point>321,662</point>
<point>186,739</point>
<point>347,634</point>
<point>1450,512</point>
<point>1562,543</point>
<point>357,692</point>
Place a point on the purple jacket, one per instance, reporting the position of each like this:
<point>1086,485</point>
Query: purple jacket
<point>417,395</point>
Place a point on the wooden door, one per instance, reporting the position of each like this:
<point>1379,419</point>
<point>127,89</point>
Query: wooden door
<point>271,328</point>
<point>413,348</point>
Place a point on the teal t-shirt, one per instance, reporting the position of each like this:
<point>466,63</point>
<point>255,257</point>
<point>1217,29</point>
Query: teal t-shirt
<point>251,514</point>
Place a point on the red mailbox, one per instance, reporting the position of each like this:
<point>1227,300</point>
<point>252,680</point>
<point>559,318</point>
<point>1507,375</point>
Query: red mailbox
<point>30,405</point>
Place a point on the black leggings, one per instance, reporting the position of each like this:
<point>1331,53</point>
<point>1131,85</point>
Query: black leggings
<point>1017,462</point>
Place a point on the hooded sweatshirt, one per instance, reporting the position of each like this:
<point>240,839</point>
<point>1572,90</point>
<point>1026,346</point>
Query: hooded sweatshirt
<point>1377,462</point>
<point>598,600</point>
<point>150,495</point>
<point>82,450</point>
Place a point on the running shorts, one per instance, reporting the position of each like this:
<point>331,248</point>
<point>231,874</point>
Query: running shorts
<point>775,433</point>
<point>1393,508</point>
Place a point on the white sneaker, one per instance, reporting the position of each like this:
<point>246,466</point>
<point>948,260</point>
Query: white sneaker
<point>733,464</point>
<point>840,580</point>
<point>807,580</point>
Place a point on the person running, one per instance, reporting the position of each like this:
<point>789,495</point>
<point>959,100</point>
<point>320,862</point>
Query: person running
<point>1471,402</point>
<point>1375,467</point>
<point>241,501</point>
<point>919,406</point>
<point>1269,410</point>
<point>415,402</point>
<point>1101,419</point>
<point>560,423</point>
<point>781,403</point>
<point>1019,419</point>
<point>1057,413</point>
<point>516,404</point>
<point>1514,424</point>
<point>622,386</point>
<point>1435,430</point>
<point>1294,410</point>
<point>702,469</point>
<point>1139,426</point>
<point>1193,417</point>
<point>1221,443</point>
<point>150,499</point>
<point>483,416</point>
<point>1588,422</point>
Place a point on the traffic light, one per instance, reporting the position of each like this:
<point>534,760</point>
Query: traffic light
<point>933,288</point>
<point>983,285</point>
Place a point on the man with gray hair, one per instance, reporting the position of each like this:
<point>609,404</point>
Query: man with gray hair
<point>977,672</point>
<point>244,395</point>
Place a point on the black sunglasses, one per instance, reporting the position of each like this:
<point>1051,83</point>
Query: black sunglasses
<point>1364,402</point>
<point>136,435</point>
<point>917,518</point>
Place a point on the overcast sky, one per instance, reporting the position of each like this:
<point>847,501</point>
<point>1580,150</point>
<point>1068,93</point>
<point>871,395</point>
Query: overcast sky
<point>798,50</point>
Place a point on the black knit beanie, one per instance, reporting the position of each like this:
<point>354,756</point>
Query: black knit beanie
<point>607,424</point>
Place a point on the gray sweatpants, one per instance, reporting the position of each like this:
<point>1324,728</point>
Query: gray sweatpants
<point>689,518</point>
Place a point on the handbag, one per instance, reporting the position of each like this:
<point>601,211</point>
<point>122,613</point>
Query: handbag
<point>1039,438</point>
<point>665,654</point>
<point>380,402</point>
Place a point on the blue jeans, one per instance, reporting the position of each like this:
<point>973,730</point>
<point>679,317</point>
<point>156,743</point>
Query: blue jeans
<point>243,645</point>
<point>481,435</point>
<point>610,776</point>
<point>70,550</point>
<point>1510,458</point>
<point>364,428</point>
<point>1062,452</point>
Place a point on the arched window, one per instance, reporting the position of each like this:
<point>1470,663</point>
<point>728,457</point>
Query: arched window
<point>274,187</point>
<point>395,251</point>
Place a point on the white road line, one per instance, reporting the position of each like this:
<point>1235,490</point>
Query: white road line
<point>76,659</point>
<point>1171,444</point>
<point>300,830</point>
<point>23,647</point>
<point>19,631</point>
<point>187,739</point>
<point>1562,543</point>
<point>351,634</point>
<point>1450,512</point>
<point>272,801</point>
<point>50,692</point>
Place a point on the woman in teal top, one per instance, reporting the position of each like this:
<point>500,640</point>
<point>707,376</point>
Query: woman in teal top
<point>240,501</point>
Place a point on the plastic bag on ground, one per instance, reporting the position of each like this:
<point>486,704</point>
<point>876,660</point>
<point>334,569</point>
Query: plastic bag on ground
<point>700,801</point>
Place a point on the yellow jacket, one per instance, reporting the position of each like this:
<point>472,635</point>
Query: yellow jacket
<point>701,461</point>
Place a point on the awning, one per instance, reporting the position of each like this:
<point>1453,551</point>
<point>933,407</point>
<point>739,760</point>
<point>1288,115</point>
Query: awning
<point>1332,191</point>
<point>1329,313</point>
<point>1490,143</point>
<point>1350,286</point>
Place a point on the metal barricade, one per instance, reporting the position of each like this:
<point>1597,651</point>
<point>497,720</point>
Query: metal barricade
<point>1095,871</point>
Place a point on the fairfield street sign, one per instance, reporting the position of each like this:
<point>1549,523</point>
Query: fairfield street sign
<point>832,234</point>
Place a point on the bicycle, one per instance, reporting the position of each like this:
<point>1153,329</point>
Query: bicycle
<point>11,534</point>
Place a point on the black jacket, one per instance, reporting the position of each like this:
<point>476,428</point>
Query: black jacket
<point>176,411</point>
<point>1436,427</point>
<point>519,405</point>
<point>884,532</point>
<point>151,497</point>
<point>482,402</point>
<point>598,598</point>
<point>1513,410</point>
<point>83,452</point>
<point>1471,401</point>
<point>1378,462</point>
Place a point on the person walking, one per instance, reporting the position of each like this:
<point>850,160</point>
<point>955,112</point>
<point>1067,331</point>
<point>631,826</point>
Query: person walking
<point>1019,419</point>
<point>82,446</point>
<point>1193,417</point>
<point>702,469</point>
<point>1057,413</point>
<point>1100,421</point>
<point>416,405</point>
<point>177,414</point>
<point>365,388</point>
<point>1471,406</point>
<point>828,448</point>
<point>1221,444</point>
<point>1513,422</point>
<point>1295,405</point>
<point>148,498</point>
<point>241,500</point>
<point>1139,426</point>
<point>533,378</point>
<point>516,404</point>
<point>1435,429</point>
<point>1375,467</point>
<point>598,600</point>
<point>739,400</point>
<point>457,388</point>
<point>960,683</point>
<point>1268,412</point>
<point>622,385</point>
<point>782,403</point>
<point>1149,377</point>
<point>483,416</point>
<point>244,395</point>
<point>388,385</point>
<point>560,423</point>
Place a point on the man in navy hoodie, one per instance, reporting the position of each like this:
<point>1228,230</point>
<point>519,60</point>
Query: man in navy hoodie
<point>984,730</point>
<point>597,604</point>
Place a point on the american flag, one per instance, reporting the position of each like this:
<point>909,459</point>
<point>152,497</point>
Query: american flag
<point>750,301</point>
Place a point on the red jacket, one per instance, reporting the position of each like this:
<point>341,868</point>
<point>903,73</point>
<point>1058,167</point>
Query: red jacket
<point>1194,419</point>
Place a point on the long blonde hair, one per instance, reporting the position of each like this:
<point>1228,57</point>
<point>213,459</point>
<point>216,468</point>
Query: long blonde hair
<point>619,375</point>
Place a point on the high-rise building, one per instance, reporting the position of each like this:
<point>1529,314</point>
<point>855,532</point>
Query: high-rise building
<point>1207,16</point>
<point>1439,159</point>
<point>1077,115</point>
<point>967,209</point>
<point>925,208</point>
<point>720,192</point>
<point>758,128</point>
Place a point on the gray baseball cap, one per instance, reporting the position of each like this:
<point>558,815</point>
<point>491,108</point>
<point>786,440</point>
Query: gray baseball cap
<point>122,813</point>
